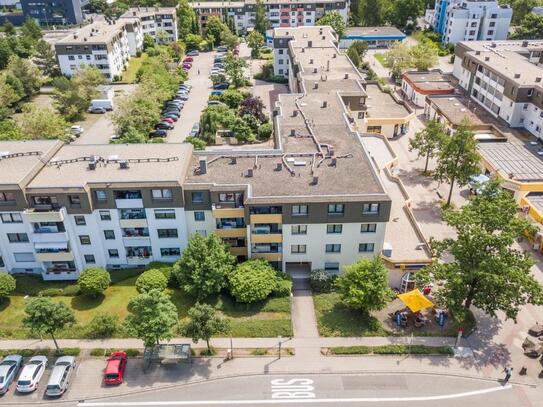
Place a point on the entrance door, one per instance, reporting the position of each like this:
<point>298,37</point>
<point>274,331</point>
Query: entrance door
<point>299,271</point>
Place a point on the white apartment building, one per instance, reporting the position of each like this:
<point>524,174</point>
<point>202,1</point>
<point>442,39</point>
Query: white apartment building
<point>280,13</point>
<point>504,78</point>
<point>156,21</point>
<point>470,20</point>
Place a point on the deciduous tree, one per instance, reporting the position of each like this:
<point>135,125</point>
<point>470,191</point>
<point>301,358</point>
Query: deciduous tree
<point>424,55</point>
<point>234,68</point>
<point>42,123</point>
<point>204,323</point>
<point>334,20</point>
<point>261,20</point>
<point>27,73</point>
<point>185,19</point>
<point>152,279</point>
<point>531,28</point>
<point>428,140</point>
<point>485,271</point>
<point>398,59</point>
<point>7,285</point>
<point>252,281</point>
<point>94,281</point>
<point>255,40</point>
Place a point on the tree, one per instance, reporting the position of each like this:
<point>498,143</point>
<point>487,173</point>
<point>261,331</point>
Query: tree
<point>354,57</point>
<point>254,106</point>
<point>152,279</point>
<point>242,131</point>
<point>398,59</point>
<point>215,27</point>
<point>197,142</point>
<point>102,326</point>
<point>185,18</point>
<point>31,29</point>
<point>148,42</point>
<point>457,160</point>
<point>486,271</point>
<point>364,285</point>
<point>255,40</point>
<point>232,98</point>
<point>5,52</point>
<point>7,285</point>
<point>203,324</point>
<point>94,281</point>
<point>46,60</point>
<point>334,20</point>
<point>265,131</point>
<point>252,281</point>
<point>10,131</point>
<point>7,98</point>
<point>215,118</point>
<point>361,47</point>
<point>42,123</point>
<point>203,268</point>
<point>44,316</point>
<point>369,13</point>
<point>261,19</point>
<point>531,28</point>
<point>27,73</point>
<point>400,12</point>
<point>229,39</point>
<point>423,55</point>
<point>428,140</point>
<point>234,68</point>
<point>193,41</point>
<point>521,8</point>
<point>151,317</point>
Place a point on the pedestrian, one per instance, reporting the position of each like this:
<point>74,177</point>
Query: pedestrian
<point>508,372</point>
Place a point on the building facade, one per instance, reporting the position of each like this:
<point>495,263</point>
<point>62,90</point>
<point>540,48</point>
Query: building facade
<point>375,37</point>
<point>417,85</point>
<point>470,20</point>
<point>53,12</point>
<point>158,22</point>
<point>505,79</point>
<point>280,13</point>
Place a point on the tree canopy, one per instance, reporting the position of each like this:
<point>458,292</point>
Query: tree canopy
<point>428,140</point>
<point>334,20</point>
<point>531,28</point>
<point>261,20</point>
<point>7,285</point>
<point>94,281</point>
<point>203,323</point>
<point>152,279</point>
<point>252,281</point>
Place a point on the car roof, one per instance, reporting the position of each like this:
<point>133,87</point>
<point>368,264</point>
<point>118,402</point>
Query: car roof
<point>57,373</point>
<point>113,366</point>
<point>14,358</point>
<point>29,369</point>
<point>65,359</point>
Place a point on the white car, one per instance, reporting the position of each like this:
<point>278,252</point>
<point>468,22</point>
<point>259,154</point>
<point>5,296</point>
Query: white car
<point>77,130</point>
<point>31,374</point>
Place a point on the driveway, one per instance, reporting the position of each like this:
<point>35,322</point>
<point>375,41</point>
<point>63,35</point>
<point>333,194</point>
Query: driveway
<point>201,88</point>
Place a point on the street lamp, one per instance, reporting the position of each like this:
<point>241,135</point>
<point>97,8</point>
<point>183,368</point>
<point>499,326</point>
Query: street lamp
<point>279,341</point>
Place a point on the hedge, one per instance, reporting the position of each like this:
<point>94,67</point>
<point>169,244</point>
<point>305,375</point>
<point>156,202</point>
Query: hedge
<point>392,350</point>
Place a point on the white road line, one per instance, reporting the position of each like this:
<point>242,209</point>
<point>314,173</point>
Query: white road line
<point>292,401</point>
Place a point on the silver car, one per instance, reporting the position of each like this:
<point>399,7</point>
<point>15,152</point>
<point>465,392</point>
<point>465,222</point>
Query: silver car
<point>31,374</point>
<point>8,370</point>
<point>60,376</point>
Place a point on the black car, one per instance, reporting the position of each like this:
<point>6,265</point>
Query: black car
<point>164,126</point>
<point>173,107</point>
<point>158,133</point>
<point>221,86</point>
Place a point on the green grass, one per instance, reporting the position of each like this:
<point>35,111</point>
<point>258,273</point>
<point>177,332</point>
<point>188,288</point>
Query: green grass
<point>267,318</point>
<point>392,350</point>
<point>334,319</point>
<point>129,76</point>
<point>380,58</point>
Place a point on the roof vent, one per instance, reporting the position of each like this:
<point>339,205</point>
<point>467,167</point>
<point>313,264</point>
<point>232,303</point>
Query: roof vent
<point>493,45</point>
<point>334,55</point>
<point>316,85</point>
<point>315,180</point>
<point>134,13</point>
<point>346,76</point>
<point>524,44</point>
<point>538,79</point>
<point>233,160</point>
<point>477,52</point>
<point>303,50</point>
<point>323,37</point>
<point>123,165</point>
<point>324,103</point>
<point>309,44</point>
<point>75,36</point>
<point>517,75</point>
<point>92,165</point>
<point>294,113</point>
<point>311,61</point>
<point>487,58</point>
<point>292,132</point>
<point>315,70</point>
<point>334,162</point>
<point>203,165</point>
<point>249,173</point>
<point>279,167</point>
<point>331,151</point>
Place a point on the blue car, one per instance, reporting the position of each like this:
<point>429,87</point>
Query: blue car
<point>221,86</point>
<point>217,92</point>
<point>8,370</point>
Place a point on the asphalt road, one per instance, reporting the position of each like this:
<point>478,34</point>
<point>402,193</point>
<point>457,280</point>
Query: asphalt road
<point>388,390</point>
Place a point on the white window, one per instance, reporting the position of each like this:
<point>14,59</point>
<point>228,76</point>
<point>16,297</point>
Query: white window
<point>298,248</point>
<point>299,229</point>
<point>162,193</point>
<point>164,213</point>
<point>23,257</point>
<point>299,210</point>
<point>11,218</point>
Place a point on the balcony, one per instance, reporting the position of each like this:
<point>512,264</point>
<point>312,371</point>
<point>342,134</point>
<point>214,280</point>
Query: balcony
<point>50,256</point>
<point>231,232</point>
<point>129,203</point>
<point>43,215</point>
<point>138,260</point>
<point>58,237</point>
<point>239,251</point>
<point>267,218</point>
<point>268,256</point>
<point>133,223</point>
<point>266,238</point>
<point>219,213</point>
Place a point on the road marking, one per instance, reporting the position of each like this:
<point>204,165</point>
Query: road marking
<point>292,389</point>
<point>292,401</point>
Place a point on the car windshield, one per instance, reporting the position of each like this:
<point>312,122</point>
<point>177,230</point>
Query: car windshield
<point>52,387</point>
<point>2,379</point>
<point>23,382</point>
<point>112,376</point>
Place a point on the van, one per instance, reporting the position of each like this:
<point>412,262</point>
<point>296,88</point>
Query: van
<point>104,103</point>
<point>60,376</point>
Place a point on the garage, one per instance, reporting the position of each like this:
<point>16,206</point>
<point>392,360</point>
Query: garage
<point>299,271</point>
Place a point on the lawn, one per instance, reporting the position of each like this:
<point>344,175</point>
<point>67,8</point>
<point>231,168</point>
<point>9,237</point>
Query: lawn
<point>129,76</point>
<point>269,318</point>
<point>380,58</point>
<point>334,319</point>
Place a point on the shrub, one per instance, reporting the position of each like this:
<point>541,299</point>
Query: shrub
<point>50,292</point>
<point>211,351</point>
<point>264,131</point>
<point>165,268</point>
<point>94,281</point>
<point>321,281</point>
<point>130,352</point>
<point>252,281</point>
<point>259,352</point>
<point>151,280</point>
<point>196,142</point>
<point>102,326</point>
<point>283,288</point>
<point>98,352</point>
<point>71,290</point>
<point>71,351</point>
<point>7,285</point>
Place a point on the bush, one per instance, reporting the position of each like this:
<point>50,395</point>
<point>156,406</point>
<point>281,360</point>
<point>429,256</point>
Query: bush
<point>264,131</point>
<point>7,285</point>
<point>259,352</point>
<point>100,352</point>
<point>392,350</point>
<point>71,351</point>
<point>94,281</point>
<point>51,292</point>
<point>252,281</point>
<point>321,281</point>
<point>208,352</point>
<point>71,290</point>
<point>165,268</point>
<point>102,326</point>
<point>151,280</point>
<point>283,288</point>
<point>196,142</point>
<point>131,353</point>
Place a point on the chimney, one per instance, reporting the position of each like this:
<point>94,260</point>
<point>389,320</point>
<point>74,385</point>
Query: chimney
<point>477,52</point>
<point>524,44</point>
<point>328,65</point>
<point>315,70</point>
<point>233,160</point>
<point>309,44</point>
<point>278,167</point>
<point>334,55</point>
<point>249,173</point>
<point>346,76</point>
<point>324,104</point>
<point>315,180</point>
<point>311,61</point>
<point>323,37</point>
<point>334,162</point>
<point>294,113</point>
<point>92,163</point>
<point>292,132</point>
<point>516,76</point>
<point>538,79</point>
<point>203,165</point>
<point>487,58</point>
<point>75,36</point>
<point>303,50</point>
<point>123,165</point>
<point>316,85</point>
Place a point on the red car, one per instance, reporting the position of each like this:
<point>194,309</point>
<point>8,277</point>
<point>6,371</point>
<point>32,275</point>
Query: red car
<point>167,120</point>
<point>188,59</point>
<point>187,65</point>
<point>116,365</point>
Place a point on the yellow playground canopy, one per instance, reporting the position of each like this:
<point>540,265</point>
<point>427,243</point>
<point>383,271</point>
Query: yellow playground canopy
<point>415,300</point>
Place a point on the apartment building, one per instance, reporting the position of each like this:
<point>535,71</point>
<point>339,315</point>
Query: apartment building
<point>103,44</point>
<point>53,12</point>
<point>280,13</point>
<point>417,85</point>
<point>470,20</point>
<point>158,22</point>
<point>375,37</point>
<point>504,77</point>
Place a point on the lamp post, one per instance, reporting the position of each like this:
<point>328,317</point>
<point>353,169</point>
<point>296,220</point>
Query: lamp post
<point>279,342</point>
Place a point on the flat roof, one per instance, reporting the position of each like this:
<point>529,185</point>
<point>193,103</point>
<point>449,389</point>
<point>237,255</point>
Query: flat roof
<point>516,160</point>
<point>234,4</point>
<point>430,80</point>
<point>455,108</point>
<point>148,163</point>
<point>385,31</point>
<point>308,127</point>
<point>381,104</point>
<point>536,199</point>
<point>509,64</point>
<point>148,11</point>
<point>99,31</point>
<point>19,159</point>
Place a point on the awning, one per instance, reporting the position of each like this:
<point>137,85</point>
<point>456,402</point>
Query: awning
<point>51,245</point>
<point>415,300</point>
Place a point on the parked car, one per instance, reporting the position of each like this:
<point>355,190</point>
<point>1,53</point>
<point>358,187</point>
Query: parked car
<point>114,137</point>
<point>8,370</point>
<point>158,133</point>
<point>188,59</point>
<point>97,110</point>
<point>217,92</point>
<point>163,126</point>
<point>175,103</point>
<point>214,102</point>
<point>184,97</point>
<point>105,103</point>
<point>76,130</point>
<point>216,72</point>
<point>193,53</point>
<point>167,120</point>
<point>168,112</point>
<point>116,365</point>
<point>185,86</point>
<point>195,129</point>
<point>218,59</point>
<point>60,376</point>
<point>222,48</point>
<point>186,65</point>
<point>221,86</point>
<point>31,374</point>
